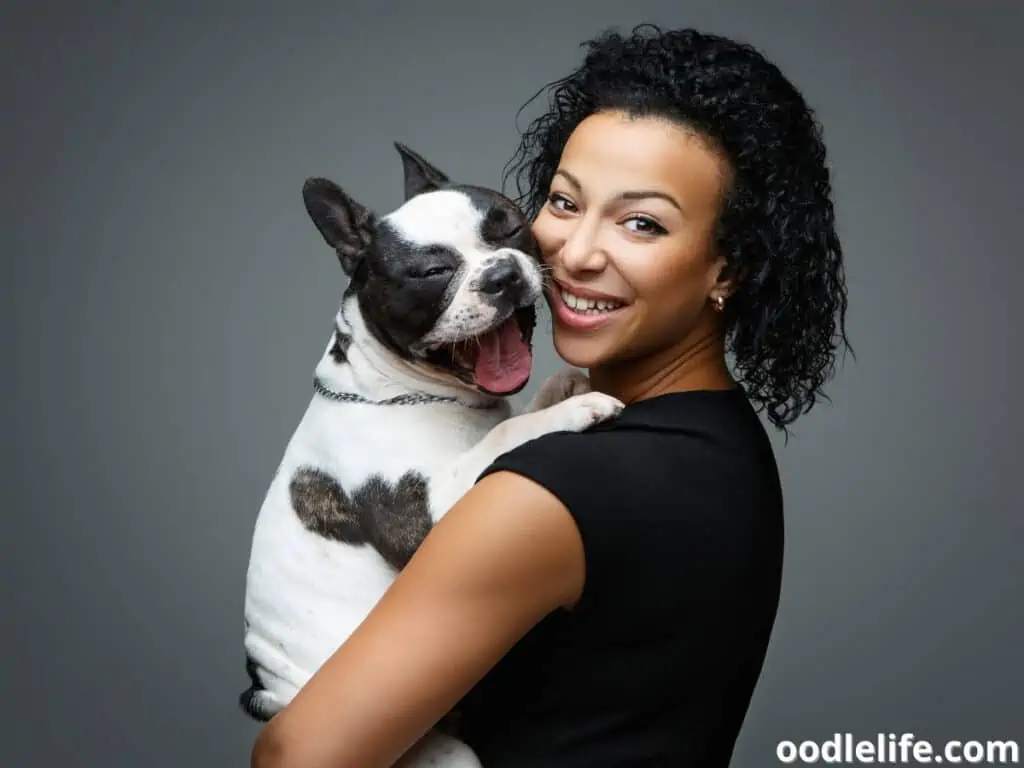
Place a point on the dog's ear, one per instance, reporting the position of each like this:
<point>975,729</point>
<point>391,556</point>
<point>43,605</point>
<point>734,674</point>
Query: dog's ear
<point>420,176</point>
<point>347,226</point>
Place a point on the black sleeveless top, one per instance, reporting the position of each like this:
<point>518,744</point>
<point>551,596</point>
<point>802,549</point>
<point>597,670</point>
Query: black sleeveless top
<point>679,507</point>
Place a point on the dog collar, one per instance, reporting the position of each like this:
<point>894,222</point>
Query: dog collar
<point>411,399</point>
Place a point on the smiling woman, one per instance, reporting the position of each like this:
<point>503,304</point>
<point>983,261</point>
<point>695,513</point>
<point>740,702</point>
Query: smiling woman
<point>605,599</point>
<point>631,214</point>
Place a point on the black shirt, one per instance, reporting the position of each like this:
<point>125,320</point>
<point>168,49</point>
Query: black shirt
<point>679,507</point>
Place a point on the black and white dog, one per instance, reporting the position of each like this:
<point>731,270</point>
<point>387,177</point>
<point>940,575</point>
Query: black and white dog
<point>409,407</point>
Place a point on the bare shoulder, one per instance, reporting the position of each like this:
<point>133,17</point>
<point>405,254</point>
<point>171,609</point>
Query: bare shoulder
<point>514,530</point>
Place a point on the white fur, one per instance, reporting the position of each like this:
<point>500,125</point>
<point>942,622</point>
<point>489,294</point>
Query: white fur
<point>445,216</point>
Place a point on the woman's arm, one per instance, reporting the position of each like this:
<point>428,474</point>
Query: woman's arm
<point>504,557</point>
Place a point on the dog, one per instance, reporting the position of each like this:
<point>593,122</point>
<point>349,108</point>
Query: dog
<point>410,404</point>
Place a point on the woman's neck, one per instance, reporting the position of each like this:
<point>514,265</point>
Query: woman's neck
<point>688,366</point>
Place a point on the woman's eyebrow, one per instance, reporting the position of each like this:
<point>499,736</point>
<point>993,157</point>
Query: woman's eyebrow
<point>642,194</point>
<point>569,177</point>
<point>639,194</point>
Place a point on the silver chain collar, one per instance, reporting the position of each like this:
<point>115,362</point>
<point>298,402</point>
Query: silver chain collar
<point>412,399</point>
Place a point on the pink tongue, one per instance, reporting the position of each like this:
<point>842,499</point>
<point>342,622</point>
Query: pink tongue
<point>504,361</point>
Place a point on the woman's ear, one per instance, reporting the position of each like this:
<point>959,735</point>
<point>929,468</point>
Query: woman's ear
<point>728,281</point>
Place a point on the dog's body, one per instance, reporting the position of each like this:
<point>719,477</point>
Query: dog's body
<point>409,408</point>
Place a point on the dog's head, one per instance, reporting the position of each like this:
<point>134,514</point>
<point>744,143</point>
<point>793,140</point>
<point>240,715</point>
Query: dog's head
<point>448,280</point>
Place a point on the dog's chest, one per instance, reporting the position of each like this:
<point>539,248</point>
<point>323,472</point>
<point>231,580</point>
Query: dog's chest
<point>355,442</point>
<point>311,579</point>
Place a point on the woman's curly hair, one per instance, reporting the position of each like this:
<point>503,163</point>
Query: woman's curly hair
<point>786,317</point>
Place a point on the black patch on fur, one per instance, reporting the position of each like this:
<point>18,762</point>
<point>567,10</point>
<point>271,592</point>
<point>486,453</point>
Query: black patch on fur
<point>323,507</point>
<point>392,518</point>
<point>395,518</point>
<point>407,290</point>
<point>504,224</point>
<point>339,349</point>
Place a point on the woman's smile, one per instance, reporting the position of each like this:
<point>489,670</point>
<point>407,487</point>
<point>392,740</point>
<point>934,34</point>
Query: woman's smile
<point>582,309</point>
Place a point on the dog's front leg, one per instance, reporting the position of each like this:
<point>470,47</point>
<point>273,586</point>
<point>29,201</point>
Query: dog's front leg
<point>574,414</point>
<point>561,386</point>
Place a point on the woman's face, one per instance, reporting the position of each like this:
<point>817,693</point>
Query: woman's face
<point>628,233</point>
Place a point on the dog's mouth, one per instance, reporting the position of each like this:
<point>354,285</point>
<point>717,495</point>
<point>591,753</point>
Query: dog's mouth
<point>498,362</point>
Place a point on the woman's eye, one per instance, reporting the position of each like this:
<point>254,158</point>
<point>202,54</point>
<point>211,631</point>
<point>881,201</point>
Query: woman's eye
<point>561,203</point>
<point>645,226</point>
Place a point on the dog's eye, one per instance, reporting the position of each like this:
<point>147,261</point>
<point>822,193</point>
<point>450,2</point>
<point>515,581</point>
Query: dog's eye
<point>437,270</point>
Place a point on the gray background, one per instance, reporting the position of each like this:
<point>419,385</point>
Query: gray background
<point>166,297</point>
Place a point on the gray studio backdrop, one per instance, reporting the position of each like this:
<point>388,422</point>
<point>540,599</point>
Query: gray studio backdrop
<point>166,297</point>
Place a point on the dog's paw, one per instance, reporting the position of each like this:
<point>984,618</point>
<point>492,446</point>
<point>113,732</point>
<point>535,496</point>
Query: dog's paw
<point>582,411</point>
<point>260,704</point>
<point>567,383</point>
<point>439,750</point>
<point>572,415</point>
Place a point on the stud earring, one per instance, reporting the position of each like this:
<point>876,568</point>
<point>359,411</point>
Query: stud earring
<point>719,303</point>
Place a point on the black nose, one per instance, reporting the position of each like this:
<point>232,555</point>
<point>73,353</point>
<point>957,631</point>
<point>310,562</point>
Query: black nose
<point>502,278</point>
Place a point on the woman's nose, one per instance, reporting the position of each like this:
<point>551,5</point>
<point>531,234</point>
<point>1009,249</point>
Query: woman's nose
<point>581,250</point>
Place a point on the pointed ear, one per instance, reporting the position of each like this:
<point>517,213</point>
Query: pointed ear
<point>347,226</point>
<point>420,176</point>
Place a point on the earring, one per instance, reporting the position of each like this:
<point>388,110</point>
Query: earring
<point>719,303</point>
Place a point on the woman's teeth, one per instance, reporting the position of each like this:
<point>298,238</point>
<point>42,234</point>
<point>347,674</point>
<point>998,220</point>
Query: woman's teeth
<point>588,306</point>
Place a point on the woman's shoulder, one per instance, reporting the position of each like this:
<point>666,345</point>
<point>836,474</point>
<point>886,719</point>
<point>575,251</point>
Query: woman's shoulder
<point>701,418</point>
<point>670,484</point>
<point>666,439</point>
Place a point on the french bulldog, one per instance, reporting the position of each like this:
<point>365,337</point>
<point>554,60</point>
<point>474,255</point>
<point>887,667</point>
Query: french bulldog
<point>411,402</point>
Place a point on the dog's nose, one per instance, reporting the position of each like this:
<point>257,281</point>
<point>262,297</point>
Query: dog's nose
<point>502,278</point>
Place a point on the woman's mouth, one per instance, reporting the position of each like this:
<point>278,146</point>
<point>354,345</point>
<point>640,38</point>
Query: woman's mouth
<point>581,312</point>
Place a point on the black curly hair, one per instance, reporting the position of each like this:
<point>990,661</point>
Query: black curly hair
<point>786,317</point>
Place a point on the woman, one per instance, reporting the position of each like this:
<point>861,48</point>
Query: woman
<point>606,598</point>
